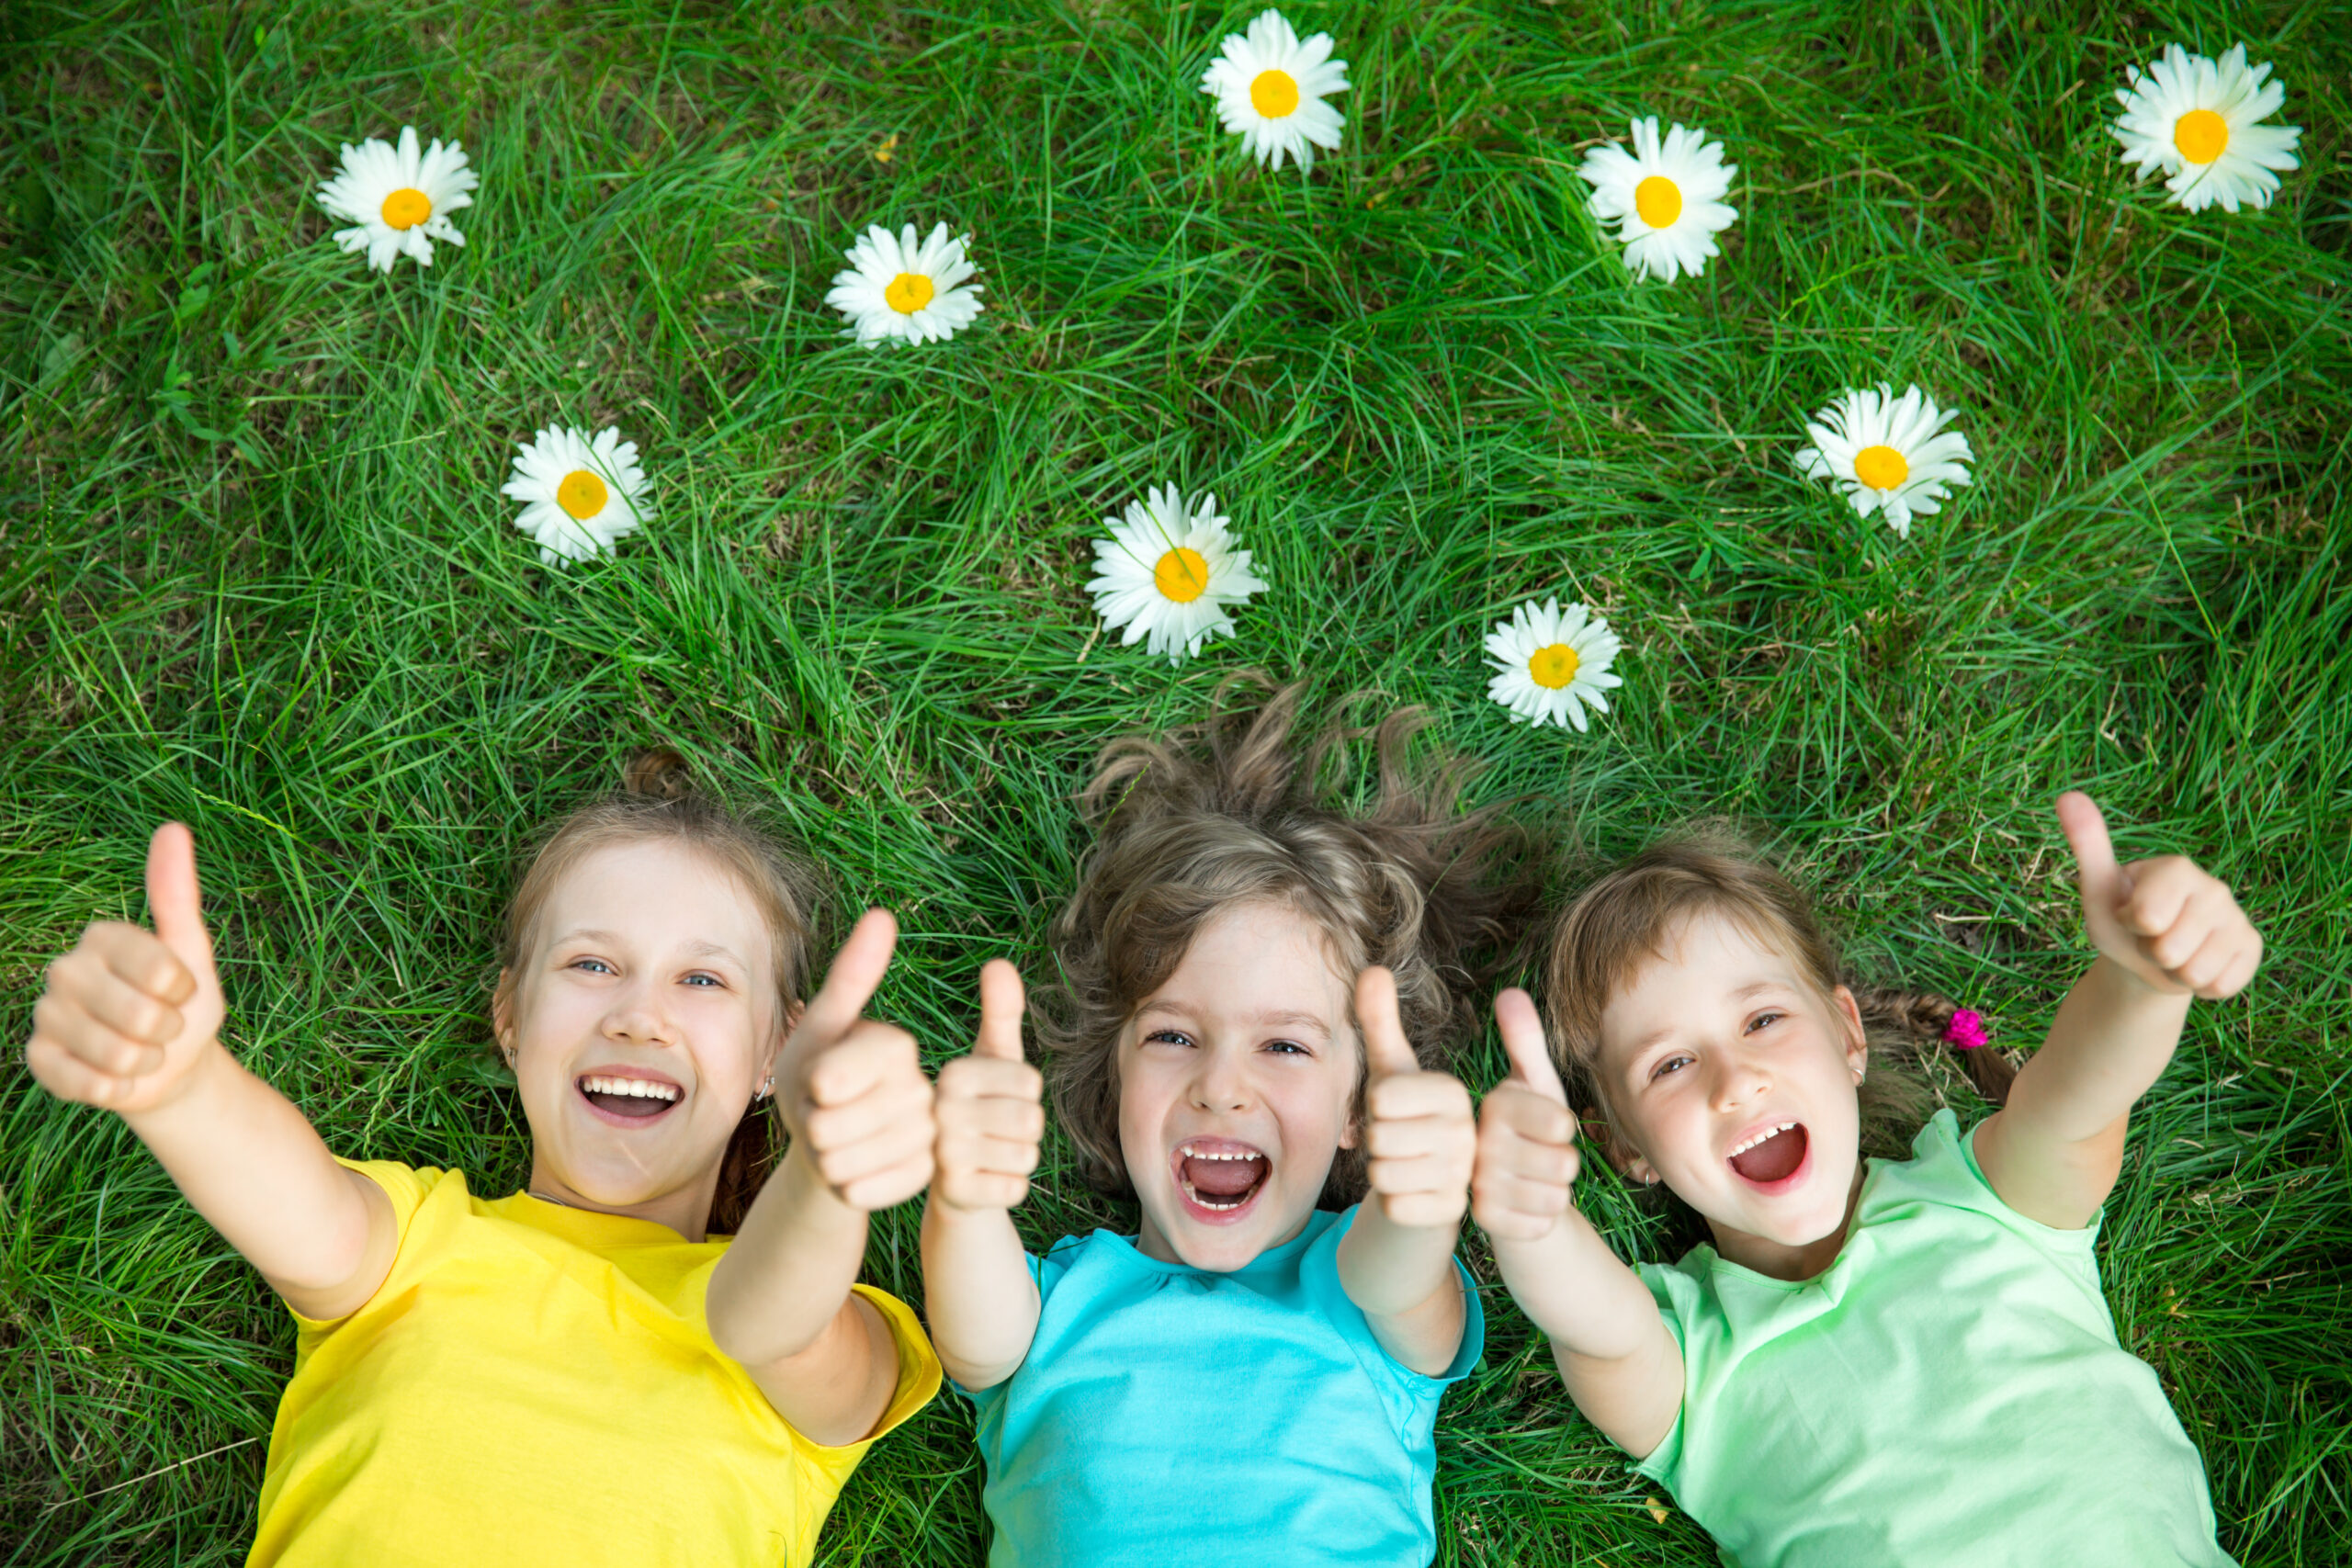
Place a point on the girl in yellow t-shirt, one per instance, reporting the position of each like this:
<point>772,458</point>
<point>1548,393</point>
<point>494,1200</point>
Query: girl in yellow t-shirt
<point>584,1371</point>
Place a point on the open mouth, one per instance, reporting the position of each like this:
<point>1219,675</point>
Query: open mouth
<point>1772,1158</point>
<point>629,1101</point>
<point>1219,1178</point>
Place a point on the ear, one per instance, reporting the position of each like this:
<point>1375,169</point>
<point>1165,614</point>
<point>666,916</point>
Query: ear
<point>1850,1023</point>
<point>1595,1128</point>
<point>502,1015</point>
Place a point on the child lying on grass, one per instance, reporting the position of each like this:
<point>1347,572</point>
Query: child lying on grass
<point>582,1372</point>
<point>1254,1376</point>
<point>1890,1361</point>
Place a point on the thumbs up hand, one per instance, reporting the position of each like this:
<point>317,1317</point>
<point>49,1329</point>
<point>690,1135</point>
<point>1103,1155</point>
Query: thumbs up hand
<point>129,1014</point>
<point>1527,1137</point>
<point>990,1111</point>
<point>1419,1130</point>
<point>2162,920</point>
<point>853,1089</point>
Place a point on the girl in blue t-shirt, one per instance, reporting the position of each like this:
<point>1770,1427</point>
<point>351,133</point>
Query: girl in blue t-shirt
<point>1254,1375</point>
<point>1898,1360</point>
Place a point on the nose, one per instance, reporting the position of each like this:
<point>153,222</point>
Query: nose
<point>1220,1083</point>
<point>637,1016</point>
<point>1738,1079</point>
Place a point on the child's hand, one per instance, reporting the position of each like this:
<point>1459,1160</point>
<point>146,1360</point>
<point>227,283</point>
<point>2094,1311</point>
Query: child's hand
<point>1418,1135</point>
<point>991,1110</point>
<point>1527,1138</point>
<point>2162,920</point>
<point>129,1014</point>
<point>851,1088</point>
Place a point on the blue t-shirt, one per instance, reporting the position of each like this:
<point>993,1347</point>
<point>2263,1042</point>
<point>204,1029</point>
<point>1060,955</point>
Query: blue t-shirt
<point>1167,1415</point>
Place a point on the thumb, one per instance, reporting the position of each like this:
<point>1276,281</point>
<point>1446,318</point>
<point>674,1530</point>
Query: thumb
<point>2104,883</point>
<point>1002,997</point>
<point>850,984</point>
<point>1531,1058</point>
<point>175,900</point>
<point>1385,1049</point>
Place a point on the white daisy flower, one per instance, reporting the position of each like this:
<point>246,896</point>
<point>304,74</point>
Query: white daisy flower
<point>1668,198</point>
<point>1167,575</point>
<point>579,496</point>
<point>1552,663</point>
<point>1887,453</point>
<point>897,288</point>
<point>1270,89</point>
<point>2195,120</point>
<point>400,198</point>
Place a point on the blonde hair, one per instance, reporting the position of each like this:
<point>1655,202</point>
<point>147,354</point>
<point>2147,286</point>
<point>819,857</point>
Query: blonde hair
<point>659,801</point>
<point>1233,812</point>
<point>1624,921</point>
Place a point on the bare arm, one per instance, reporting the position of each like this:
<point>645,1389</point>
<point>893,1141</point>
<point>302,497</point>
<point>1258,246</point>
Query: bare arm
<point>855,1098</point>
<point>1396,1260</point>
<point>977,1290</point>
<point>130,1023</point>
<point>2167,932</point>
<point>1622,1364</point>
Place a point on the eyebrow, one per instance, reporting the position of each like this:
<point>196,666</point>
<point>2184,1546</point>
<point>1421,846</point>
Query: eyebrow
<point>1741,995</point>
<point>698,948</point>
<point>1279,1017</point>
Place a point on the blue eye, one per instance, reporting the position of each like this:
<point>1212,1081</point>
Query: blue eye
<point>699,976</point>
<point>1290,1047</point>
<point>581,963</point>
<point>1168,1036</point>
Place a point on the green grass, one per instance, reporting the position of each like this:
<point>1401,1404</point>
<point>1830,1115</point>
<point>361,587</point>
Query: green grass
<point>255,574</point>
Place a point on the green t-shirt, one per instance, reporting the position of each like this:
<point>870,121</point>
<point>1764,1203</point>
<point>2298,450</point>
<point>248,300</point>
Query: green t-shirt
<point>1950,1391</point>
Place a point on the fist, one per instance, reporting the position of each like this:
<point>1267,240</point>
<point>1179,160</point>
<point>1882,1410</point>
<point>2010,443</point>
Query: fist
<point>1418,1134</point>
<point>1527,1138</point>
<point>991,1111</point>
<point>2164,922</point>
<point>129,1014</point>
<point>851,1091</point>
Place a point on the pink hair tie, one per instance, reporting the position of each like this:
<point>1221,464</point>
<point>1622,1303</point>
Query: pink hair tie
<point>1966,1031</point>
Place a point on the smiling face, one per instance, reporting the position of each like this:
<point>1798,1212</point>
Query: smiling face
<point>1237,1088</point>
<point>1730,1078</point>
<point>640,1022</point>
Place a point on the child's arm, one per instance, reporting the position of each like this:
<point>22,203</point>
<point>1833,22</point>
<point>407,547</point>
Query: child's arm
<point>1396,1260</point>
<point>858,1109</point>
<point>1620,1362</point>
<point>130,1023</point>
<point>981,1299</point>
<point>2165,931</point>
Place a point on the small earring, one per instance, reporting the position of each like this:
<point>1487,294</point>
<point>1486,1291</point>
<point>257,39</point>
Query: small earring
<point>767,1088</point>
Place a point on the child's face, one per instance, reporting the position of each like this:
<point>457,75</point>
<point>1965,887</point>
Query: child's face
<point>1247,1054</point>
<point>1728,1078</point>
<point>641,1025</point>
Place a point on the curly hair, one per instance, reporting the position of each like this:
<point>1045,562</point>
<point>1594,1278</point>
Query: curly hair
<point>1624,919</point>
<point>1237,811</point>
<point>659,800</point>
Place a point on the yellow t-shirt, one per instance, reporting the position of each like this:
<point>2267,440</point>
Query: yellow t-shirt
<point>536,1384</point>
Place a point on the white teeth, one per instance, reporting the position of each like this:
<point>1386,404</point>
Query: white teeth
<point>1769,1133</point>
<point>636,1088</point>
<point>1189,1153</point>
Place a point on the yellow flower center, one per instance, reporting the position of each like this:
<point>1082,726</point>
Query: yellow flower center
<point>405,208</point>
<point>1880,468</point>
<point>2201,134</point>
<point>1554,666</point>
<point>907,293</point>
<point>1658,200</point>
<point>581,493</point>
<point>1181,575</point>
<point>1273,94</point>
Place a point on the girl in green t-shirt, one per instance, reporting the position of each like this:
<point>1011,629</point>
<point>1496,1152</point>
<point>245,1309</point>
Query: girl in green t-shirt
<point>1880,1362</point>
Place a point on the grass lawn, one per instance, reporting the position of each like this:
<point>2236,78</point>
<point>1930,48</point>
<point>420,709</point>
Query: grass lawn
<point>255,574</point>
